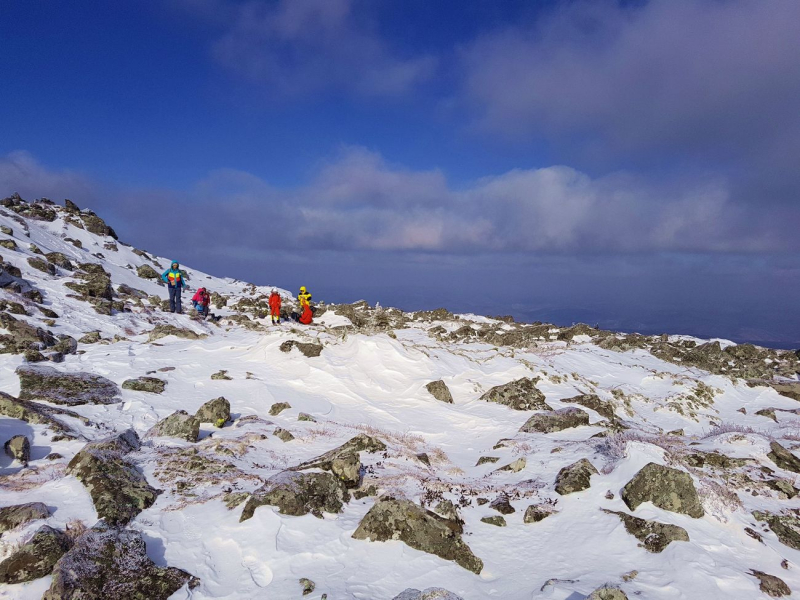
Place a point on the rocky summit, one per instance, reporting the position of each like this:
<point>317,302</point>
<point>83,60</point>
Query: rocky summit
<point>375,454</point>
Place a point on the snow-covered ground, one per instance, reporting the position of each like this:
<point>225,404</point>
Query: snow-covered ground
<point>375,383</point>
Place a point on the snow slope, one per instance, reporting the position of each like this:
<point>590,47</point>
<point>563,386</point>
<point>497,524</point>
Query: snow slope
<point>375,383</point>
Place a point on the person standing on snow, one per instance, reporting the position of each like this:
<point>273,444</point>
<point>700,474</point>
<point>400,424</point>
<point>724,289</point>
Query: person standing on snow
<point>175,283</point>
<point>275,307</point>
<point>306,312</point>
<point>201,300</point>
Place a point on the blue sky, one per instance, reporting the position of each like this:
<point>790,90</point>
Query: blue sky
<point>629,163</point>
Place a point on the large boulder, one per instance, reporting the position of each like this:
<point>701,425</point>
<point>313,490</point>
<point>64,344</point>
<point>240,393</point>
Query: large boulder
<point>783,458</point>
<point>96,225</point>
<point>521,394</point>
<point>19,514</point>
<point>401,519</point>
<point>555,420</point>
<point>39,382</point>
<point>217,410</point>
<point>107,562</point>
<point>299,494</point>
<point>427,594</point>
<point>179,424</point>
<point>36,557</point>
<point>37,414</point>
<point>665,487</point>
<point>575,477</point>
<point>18,448</point>
<point>654,536</point>
<point>344,461</point>
<point>786,527</point>
<point>439,390</point>
<point>119,491</point>
<point>154,385</point>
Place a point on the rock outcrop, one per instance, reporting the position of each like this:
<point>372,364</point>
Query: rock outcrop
<point>401,519</point>
<point>783,458</point>
<point>107,562</point>
<point>39,382</point>
<point>555,420</point>
<point>666,488</point>
<point>119,491</point>
<point>299,494</point>
<point>521,394</point>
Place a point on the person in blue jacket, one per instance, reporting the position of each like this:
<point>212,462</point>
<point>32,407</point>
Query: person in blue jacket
<point>175,283</point>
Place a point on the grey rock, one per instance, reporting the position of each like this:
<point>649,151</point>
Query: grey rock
<point>119,491</point>
<point>502,505</point>
<point>495,520</point>
<point>575,477</point>
<point>19,514</point>
<point>299,494</point>
<point>307,585</point>
<point>108,562</point>
<point>344,461</point>
<point>515,466</point>
<point>37,414</point>
<point>278,408</point>
<point>39,382</point>
<point>179,424</point>
<point>427,594</point>
<point>18,448</point>
<point>666,488</point>
<point>60,260</point>
<point>401,519</point>
<point>592,401</point>
<point>36,557</point>
<point>786,527</point>
<point>607,593</point>
<point>90,338</point>
<point>439,390</point>
<point>42,265</point>
<point>145,271</point>
<point>213,411</point>
<point>308,350</point>
<point>306,417</point>
<point>772,586</point>
<point>487,460</point>
<point>154,385</point>
<point>521,394</point>
<point>555,420</point>
<point>654,536</point>
<point>783,458</point>
<point>283,435</point>
<point>162,331</point>
<point>537,512</point>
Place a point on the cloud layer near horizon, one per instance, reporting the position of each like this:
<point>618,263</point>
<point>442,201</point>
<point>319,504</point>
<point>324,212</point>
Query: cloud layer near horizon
<point>357,201</point>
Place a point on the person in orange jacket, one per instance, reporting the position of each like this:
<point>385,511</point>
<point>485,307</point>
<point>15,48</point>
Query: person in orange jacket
<point>275,307</point>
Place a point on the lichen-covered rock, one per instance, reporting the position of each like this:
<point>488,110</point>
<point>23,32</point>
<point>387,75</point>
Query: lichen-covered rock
<point>502,505</point>
<point>154,385</point>
<point>213,411</point>
<point>106,563</point>
<point>283,435</point>
<point>8,244</point>
<point>495,520</point>
<point>400,519</point>
<point>19,514</point>
<point>783,458</point>
<point>145,271</point>
<point>37,414</point>
<point>42,265</point>
<point>307,585</point>
<point>344,461</point>
<point>537,512</point>
<point>60,260</point>
<point>119,491</point>
<point>521,394</point>
<point>487,460</point>
<point>555,420</point>
<point>39,382</point>
<point>278,408</point>
<point>90,338</point>
<point>306,417</point>
<point>607,593</point>
<point>36,557</point>
<point>772,586</point>
<point>162,331</point>
<point>427,594</point>
<point>575,477</point>
<point>515,466</point>
<point>308,350</point>
<point>66,345</point>
<point>179,424</point>
<point>299,494</point>
<point>654,536</point>
<point>786,527</point>
<point>666,488</point>
<point>96,225</point>
<point>439,390</point>
<point>221,375</point>
<point>19,448</point>
<point>592,401</point>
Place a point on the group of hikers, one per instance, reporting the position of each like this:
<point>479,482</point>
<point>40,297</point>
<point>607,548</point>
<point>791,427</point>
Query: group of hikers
<point>176,283</point>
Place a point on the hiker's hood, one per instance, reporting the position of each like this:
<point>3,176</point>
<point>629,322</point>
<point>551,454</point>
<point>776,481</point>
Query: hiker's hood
<point>174,262</point>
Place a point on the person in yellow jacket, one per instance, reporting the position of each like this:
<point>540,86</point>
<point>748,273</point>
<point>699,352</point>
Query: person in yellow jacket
<point>304,297</point>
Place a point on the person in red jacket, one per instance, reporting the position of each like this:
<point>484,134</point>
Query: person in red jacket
<point>307,315</point>
<point>201,300</point>
<point>275,307</point>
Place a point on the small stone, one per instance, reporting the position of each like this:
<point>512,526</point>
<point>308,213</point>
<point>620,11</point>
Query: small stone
<point>424,458</point>
<point>496,520</point>
<point>575,477</point>
<point>514,467</point>
<point>502,505</point>
<point>306,417</point>
<point>487,459</point>
<point>439,390</point>
<point>152,385</point>
<point>221,375</point>
<point>307,585</point>
<point>278,407</point>
<point>772,586</point>
<point>537,512</point>
<point>283,435</point>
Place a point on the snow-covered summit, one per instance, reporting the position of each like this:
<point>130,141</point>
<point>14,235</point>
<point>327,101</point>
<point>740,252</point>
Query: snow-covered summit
<point>371,454</point>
